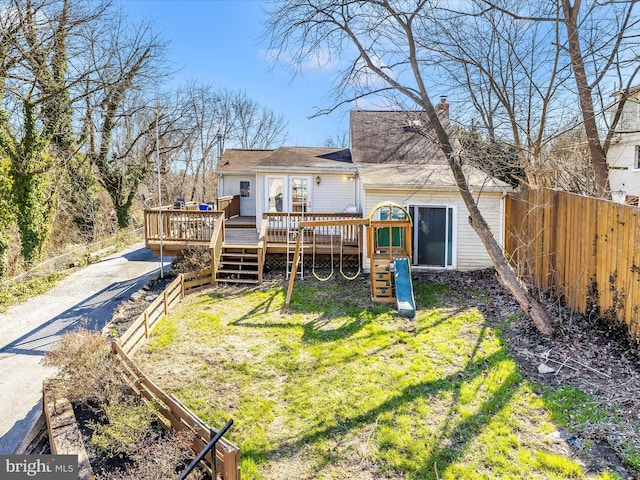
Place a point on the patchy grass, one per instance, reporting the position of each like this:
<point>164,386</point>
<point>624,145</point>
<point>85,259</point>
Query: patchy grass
<point>339,387</point>
<point>12,293</point>
<point>17,290</point>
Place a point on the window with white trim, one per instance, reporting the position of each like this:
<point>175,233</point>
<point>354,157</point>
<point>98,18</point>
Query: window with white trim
<point>245,188</point>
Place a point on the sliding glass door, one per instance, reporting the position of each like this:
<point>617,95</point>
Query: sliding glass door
<point>433,236</point>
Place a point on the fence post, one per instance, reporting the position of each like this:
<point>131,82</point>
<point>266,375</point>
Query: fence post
<point>182,285</point>
<point>166,302</point>
<point>146,324</point>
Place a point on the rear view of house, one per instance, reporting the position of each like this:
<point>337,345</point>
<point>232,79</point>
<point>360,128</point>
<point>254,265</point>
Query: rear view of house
<point>398,160</point>
<point>392,158</point>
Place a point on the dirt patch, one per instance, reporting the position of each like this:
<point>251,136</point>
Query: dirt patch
<point>592,355</point>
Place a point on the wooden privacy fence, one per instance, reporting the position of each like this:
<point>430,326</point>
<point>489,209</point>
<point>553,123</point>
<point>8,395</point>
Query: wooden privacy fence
<point>586,249</point>
<point>227,455</point>
<point>230,205</point>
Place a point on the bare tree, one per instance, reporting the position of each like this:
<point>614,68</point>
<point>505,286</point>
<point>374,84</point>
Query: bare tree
<point>337,140</point>
<point>119,125</point>
<point>256,126</point>
<point>511,73</point>
<point>38,74</point>
<point>601,42</point>
<point>212,119</point>
<point>390,55</point>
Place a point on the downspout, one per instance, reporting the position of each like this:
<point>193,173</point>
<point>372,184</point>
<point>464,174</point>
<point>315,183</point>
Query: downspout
<point>503,234</point>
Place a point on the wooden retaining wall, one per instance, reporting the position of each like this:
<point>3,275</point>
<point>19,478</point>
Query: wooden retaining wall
<point>65,437</point>
<point>179,417</point>
<point>174,413</point>
<point>227,461</point>
<point>585,249</point>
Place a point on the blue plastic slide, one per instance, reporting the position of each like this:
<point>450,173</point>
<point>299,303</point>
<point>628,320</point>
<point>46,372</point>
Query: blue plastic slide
<point>404,288</point>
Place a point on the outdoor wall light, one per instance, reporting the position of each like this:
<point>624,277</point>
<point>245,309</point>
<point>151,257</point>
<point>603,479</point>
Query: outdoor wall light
<point>318,180</point>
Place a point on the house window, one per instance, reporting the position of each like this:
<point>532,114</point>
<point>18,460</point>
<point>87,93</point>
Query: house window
<point>636,158</point>
<point>245,188</point>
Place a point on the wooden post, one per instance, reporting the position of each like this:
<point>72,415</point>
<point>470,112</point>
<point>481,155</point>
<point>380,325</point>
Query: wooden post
<point>294,267</point>
<point>166,302</point>
<point>146,323</point>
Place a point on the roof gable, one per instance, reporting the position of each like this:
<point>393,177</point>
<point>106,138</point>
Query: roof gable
<point>393,137</point>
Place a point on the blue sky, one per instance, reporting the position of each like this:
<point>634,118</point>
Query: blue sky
<point>218,42</point>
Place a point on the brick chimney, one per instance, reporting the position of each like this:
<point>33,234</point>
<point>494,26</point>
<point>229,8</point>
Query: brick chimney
<point>442,108</point>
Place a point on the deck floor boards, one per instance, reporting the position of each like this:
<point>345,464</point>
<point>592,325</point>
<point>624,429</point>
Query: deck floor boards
<point>240,222</point>
<point>241,236</point>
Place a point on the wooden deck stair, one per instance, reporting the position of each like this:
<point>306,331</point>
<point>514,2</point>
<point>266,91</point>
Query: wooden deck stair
<point>239,264</point>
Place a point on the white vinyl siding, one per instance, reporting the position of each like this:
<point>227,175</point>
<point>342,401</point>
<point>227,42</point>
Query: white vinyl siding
<point>624,176</point>
<point>334,194</point>
<point>231,186</point>
<point>470,253</point>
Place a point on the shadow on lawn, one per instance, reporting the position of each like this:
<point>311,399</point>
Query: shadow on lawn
<point>338,320</point>
<point>453,437</point>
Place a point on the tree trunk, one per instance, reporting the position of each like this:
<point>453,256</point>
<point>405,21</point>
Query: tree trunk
<point>123,214</point>
<point>507,276</point>
<point>596,152</point>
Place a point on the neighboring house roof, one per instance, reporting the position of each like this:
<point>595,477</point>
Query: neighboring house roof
<point>286,158</point>
<point>426,177</point>
<point>632,90</point>
<point>393,136</point>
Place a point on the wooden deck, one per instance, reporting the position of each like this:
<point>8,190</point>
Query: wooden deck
<point>333,234</point>
<point>241,222</point>
<point>241,236</point>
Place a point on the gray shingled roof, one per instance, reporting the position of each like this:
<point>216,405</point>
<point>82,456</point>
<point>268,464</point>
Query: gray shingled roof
<point>235,160</point>
<point>392,137</point>
<point>386,148</point>
<point>427,176</point>
<point>317,158</point>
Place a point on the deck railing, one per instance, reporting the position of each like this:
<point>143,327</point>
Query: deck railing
<point>230,205</point>
<point>280,224</point>
<point>215,246</point>
<point>180,225</point>
<point>262,248</point>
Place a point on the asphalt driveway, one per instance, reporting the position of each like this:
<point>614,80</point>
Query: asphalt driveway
<point>87,298</point>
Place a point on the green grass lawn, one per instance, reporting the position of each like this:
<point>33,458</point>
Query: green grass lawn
<point>339,387</point>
